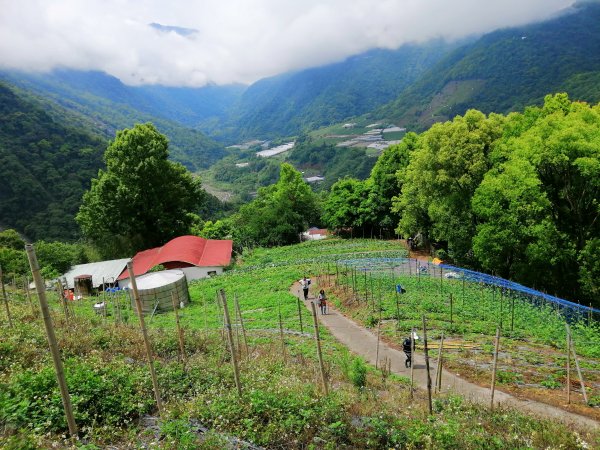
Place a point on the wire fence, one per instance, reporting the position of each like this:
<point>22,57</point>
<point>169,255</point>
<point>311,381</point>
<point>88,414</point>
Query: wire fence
<point>445,272</point>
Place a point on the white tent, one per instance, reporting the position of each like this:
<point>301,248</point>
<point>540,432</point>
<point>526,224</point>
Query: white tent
<point>107,270</point>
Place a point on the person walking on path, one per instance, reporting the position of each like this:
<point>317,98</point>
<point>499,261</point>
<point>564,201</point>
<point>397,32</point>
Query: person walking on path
<point>407,346</point>
<point>322,302</point>
<point>305,282</point>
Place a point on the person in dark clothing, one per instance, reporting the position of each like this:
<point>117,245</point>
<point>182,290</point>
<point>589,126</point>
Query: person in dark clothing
<point>407,346</point>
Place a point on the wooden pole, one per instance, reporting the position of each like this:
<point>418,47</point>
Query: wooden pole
<point>281,333</point>
<point>319,353</point>
<point>501,302</point>
<point>451,309</point>
<point>397,310</point>
<point>63,300</point>
<point>438,373</point>
<point>579,372</point>
<point>378,339</point>
<point>28,293</point>
<point>239,313</point>
<point>512,313</point>
<point>58,366</point>
<point>568,364</point>
<point>427,366</point>
<point>5,299</point>
<point>105,309</point>
<point>140,312</point>
<point>234,362</point>
<point>179,330</point>
<point>495,366</point>
<point>412,360</point>
<point>299,314</point>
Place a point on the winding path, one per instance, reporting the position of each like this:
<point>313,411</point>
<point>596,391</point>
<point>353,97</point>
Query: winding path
<point>364,343</point>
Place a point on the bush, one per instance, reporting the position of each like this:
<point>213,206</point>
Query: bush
<point>358,373</point>
<point>101,394</point>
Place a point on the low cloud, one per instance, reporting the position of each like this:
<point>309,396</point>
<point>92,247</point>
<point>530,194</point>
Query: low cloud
<point>191,43</point>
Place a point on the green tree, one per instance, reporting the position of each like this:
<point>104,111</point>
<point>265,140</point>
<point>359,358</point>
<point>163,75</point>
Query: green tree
<point>447,165</point>
<point>142,199</point>
<point>516,237</point>
<point>279,213</point>
<point>345,206</point>
<point>589,258</point>
<point>386,182</point>
<point>11,239</point>
<point>561,141</point>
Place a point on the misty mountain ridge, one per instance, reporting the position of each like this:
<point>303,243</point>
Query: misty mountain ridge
<point>508,69</point>
<point>412,86</point>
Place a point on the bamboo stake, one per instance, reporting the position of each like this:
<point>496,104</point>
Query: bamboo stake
<point>138,304</point>
<point>495,366</point>
<point>412,360</point>
<point>427,366</point>
<point>568,364</point>
<point>179,330</point>
<point>579,372</point>
<point>319,353</point>
<point>5,299</point>
<point>397,311</point>
<point>58,366</point>
<point>378,333</point>
<point>438,373</point>
<point>501,302</point>
<point>281,333</point>
<point>234,362</point>
<point>63,301</point>
<point>104,299</point>
<point>239,313</point>
<point>28,293</point>
<point>512,313</point>
<point>299,314</point>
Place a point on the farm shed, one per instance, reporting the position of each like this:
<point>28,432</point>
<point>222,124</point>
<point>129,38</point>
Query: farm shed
<point>156,288</point>
<point>107,270</point>
<point>195,256</point>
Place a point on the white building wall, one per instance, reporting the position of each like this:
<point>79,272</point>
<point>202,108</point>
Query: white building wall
<point>195,273</point>
<point>191,273</point>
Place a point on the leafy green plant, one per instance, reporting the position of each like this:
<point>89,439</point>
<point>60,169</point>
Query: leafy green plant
<point>358,373</point>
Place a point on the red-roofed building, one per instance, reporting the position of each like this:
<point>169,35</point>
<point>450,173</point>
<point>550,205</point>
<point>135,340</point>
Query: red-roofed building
<point>195,256</point>
<point>314,234</point>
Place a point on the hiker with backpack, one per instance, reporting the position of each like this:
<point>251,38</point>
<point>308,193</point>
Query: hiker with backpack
<point>305,283</point>
<point>322,301</point>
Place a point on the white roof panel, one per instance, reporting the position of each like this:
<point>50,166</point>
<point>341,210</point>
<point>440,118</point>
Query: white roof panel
<point>109,270</point>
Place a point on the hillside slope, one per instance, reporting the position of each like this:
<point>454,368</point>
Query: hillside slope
<point>45,166</point>
<point>289,103</point>
<point>508,69</point>
<point>111,106</point>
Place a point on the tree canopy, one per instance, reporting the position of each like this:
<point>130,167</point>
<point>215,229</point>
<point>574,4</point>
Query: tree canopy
<point>142,199</point>
<point>279,213</point>
<point>516,195</point>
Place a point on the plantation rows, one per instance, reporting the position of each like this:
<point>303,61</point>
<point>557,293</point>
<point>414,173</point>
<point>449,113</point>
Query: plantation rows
<point>533,331</point>
<point>282,403</point>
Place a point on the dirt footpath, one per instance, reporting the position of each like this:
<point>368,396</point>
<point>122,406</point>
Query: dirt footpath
<point>363,342</point>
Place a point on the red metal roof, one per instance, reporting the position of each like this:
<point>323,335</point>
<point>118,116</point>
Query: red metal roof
<point>186,249</point>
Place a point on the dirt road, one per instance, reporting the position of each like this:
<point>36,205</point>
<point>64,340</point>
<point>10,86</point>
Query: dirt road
<point>364,343</point>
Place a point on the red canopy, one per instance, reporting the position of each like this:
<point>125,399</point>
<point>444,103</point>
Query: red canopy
<point>187,250</point>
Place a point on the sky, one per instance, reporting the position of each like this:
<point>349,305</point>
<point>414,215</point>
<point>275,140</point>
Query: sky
<point>234,41</point>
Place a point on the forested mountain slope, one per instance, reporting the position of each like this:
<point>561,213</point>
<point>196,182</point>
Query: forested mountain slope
<point>111,106</point>
<point>508,69</point>
<point>288,103</point>
<point>45,166</point>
